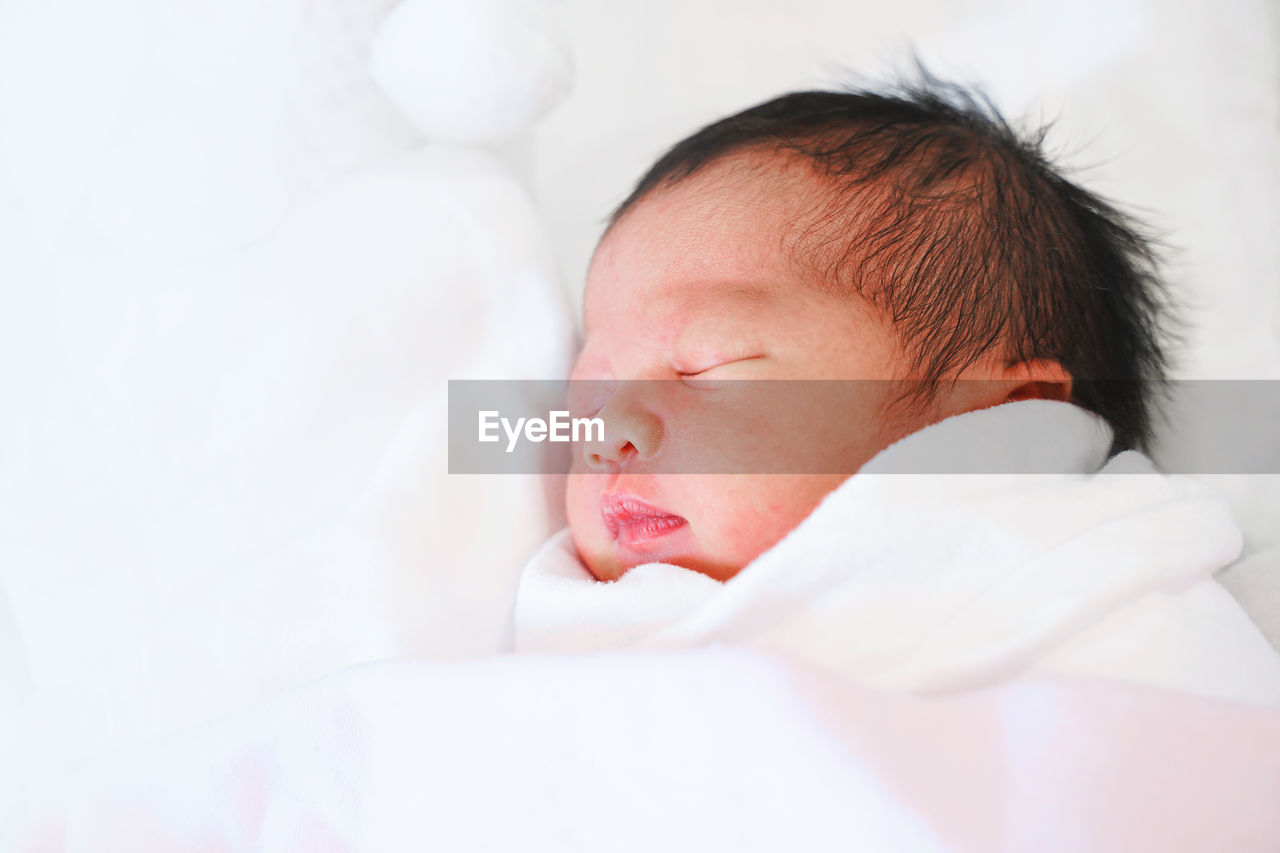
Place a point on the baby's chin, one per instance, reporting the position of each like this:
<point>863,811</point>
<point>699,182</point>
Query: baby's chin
<point>607,562</point>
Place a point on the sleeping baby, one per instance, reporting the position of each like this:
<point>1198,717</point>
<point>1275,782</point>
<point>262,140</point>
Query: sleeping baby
<point>932,290</point>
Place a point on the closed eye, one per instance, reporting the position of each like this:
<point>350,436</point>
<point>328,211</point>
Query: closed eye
<point>716,371</point>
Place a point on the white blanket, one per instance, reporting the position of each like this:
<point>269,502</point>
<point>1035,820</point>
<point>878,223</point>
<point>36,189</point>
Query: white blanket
<point>917,584</point>
<point>944,582</point>
<point>695,750</point>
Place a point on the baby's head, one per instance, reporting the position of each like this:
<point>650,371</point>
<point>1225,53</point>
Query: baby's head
<point>909,235</point>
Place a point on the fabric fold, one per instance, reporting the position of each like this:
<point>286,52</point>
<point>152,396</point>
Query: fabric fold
<point>930,582</point>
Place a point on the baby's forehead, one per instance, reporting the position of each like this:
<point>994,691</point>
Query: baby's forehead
<point>739,223</point>
<point>771,187</point>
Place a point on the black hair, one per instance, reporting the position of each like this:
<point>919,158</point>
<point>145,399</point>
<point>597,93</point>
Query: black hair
<point>960,227</point>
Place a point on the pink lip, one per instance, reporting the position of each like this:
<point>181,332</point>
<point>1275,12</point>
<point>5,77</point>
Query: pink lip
<point>635,523</point>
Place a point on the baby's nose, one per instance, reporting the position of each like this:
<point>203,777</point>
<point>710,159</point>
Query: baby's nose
<point>632,433</point>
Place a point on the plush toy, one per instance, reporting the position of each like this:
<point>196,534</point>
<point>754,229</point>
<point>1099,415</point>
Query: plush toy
<point>506,60</point>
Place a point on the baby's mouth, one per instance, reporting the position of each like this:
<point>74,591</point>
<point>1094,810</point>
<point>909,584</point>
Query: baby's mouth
<point>634,523</point>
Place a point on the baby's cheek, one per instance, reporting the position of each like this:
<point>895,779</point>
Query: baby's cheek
<point>582,511</point>
<point>759,511</point>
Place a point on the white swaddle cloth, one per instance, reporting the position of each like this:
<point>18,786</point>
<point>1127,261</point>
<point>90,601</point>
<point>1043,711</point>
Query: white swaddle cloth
<point>938,582</point>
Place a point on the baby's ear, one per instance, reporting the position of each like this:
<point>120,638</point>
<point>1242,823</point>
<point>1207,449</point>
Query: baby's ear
<point>1038,379</point>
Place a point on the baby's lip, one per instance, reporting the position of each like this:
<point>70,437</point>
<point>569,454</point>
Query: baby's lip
<point>633,522</point>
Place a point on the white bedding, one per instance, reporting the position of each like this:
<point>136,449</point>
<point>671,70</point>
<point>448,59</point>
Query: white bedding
<point>236,280</point>
<point>1059,565</point>
<point>225,241</point>
<point>696,750</point>
<point>775,710</point>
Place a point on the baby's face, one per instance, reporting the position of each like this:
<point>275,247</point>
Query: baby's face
<point>695,285</point>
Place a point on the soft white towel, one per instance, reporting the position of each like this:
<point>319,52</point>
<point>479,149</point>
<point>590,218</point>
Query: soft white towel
<point>938,582</point>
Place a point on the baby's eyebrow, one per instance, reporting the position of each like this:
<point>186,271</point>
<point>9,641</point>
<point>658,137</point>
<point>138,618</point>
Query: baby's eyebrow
<point>745,291</point>
<point>695,294</point>
<point>717,302</point>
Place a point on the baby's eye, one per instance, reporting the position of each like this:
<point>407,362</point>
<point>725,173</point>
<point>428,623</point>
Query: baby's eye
<point>736,368</point>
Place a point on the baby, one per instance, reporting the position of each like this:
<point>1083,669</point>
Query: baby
<point>909,235</point>
<point>832,287</point>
